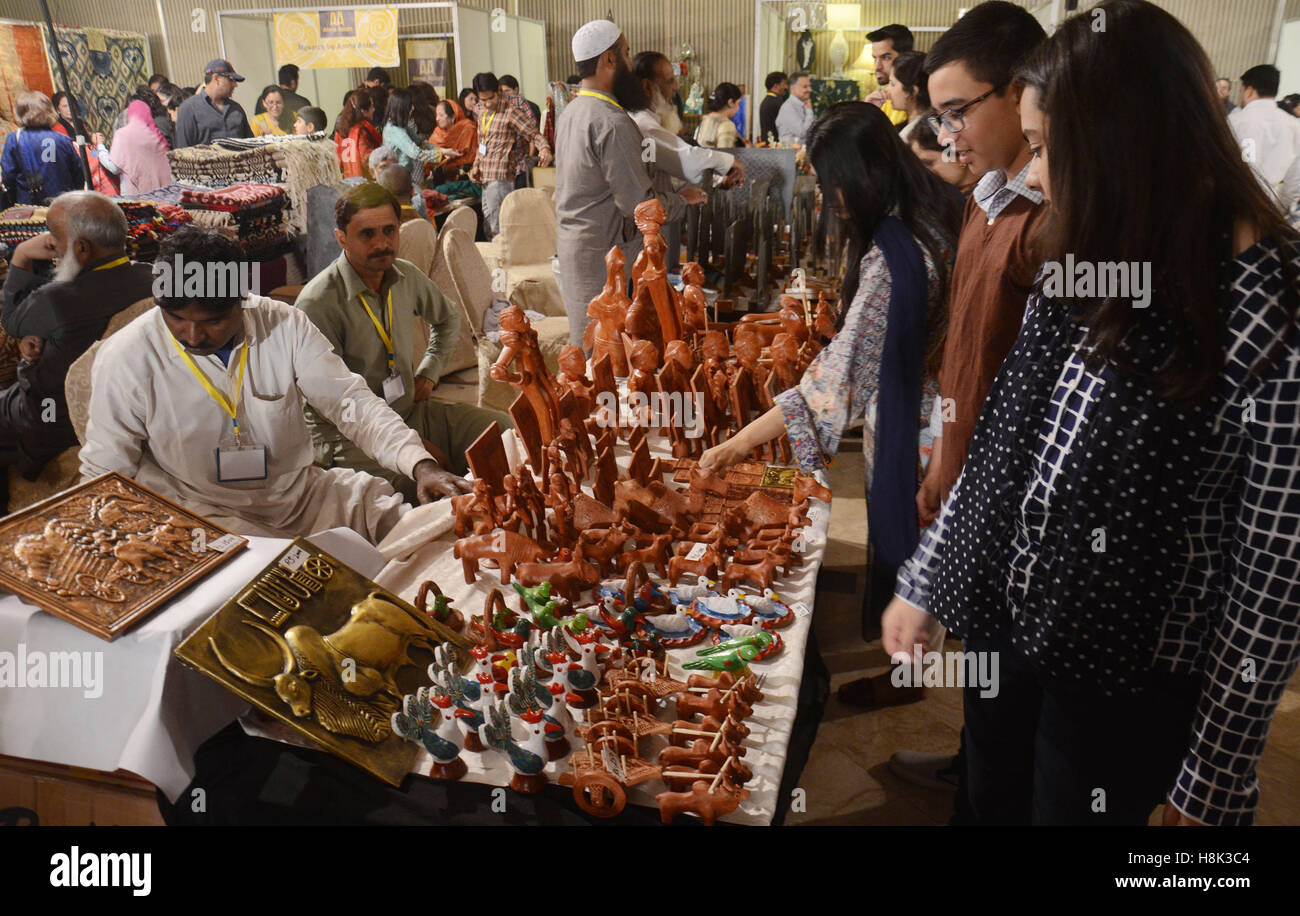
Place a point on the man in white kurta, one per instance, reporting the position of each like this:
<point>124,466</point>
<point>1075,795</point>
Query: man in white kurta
<point>152,420</point>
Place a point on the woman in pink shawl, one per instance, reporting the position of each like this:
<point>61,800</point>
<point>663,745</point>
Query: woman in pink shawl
<point>139,153</point>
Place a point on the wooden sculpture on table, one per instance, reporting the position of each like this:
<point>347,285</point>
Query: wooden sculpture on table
<point>785,362</point>
<point>507,548</point>
<point>573,378</point>
<point>694,307</point>
<point>644,361</point>
<point>607,313</point>
<point>650,273</point>
<point>520,348</point>
<point>476,512</point>
<point>823,320</point>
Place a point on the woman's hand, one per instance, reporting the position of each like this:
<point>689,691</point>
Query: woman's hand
<point>721,457</point>
<point>903,626</point>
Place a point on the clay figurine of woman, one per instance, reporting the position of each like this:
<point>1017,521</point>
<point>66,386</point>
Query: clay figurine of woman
<point>607,312</point>
<point>519,345</point>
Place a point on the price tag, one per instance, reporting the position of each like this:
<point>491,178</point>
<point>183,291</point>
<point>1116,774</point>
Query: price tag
<point>224,543</point>
<point>801,610</point>
<point>294,558</point>
<point>697,552</point>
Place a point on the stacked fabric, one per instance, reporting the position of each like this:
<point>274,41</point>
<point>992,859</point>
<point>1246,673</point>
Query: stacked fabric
<point>214,167</point>
<point>18,224</point>
<point>147,224</point>
<point>167,194</point>
<point>269,139</point>
<point>232,199</point>
<point>298,164</point>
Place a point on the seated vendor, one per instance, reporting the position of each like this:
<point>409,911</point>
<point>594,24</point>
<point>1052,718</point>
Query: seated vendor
<point>397,180</point>
<point>56,314</point>
<point>365,304</point>
<point>198,399</point>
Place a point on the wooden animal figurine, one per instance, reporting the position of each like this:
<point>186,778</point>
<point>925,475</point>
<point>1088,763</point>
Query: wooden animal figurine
<point>607,314</point>
<point>527,759</point>
<point>602,545</point>
<point>705,567</point>
<point>507,548</point>
<point>568,577</point>
<point>429,719</point>
<point>823,320</point>
<point>713,703</point>
<point>806,486</point>
<point>520,347</point>
<point>762,573</point>
<point>708,801</point>
<point>441,611</point>
<point>653,554</point>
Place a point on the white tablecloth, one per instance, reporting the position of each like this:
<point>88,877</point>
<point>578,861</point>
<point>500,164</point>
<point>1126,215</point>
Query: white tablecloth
<point>421,548</point>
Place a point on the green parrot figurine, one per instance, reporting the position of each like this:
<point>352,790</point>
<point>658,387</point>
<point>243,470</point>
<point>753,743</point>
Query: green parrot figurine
<point>731,657</point>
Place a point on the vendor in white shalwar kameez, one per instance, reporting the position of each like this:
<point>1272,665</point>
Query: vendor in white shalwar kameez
<point>600,173</point>
<point>161,411</point>
<point>674,162</point>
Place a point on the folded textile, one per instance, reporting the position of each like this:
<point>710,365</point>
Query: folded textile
<point>266,140</point>
<point>462,188</point>
<point>236,197</point>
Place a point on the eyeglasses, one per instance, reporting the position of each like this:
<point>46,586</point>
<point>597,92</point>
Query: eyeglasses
<point>955,118</point>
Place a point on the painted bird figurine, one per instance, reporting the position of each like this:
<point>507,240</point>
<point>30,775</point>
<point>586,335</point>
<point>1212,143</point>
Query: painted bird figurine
<point>685,594</point>
<point>733,657</point>
<point>429,718</point>
<point>527,760</point>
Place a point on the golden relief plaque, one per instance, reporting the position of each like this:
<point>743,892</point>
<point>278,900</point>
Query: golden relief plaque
<point>319,647</point>
<point>107,552</point>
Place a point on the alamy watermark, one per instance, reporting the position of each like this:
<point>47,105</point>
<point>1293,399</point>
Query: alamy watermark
<point>181,279</point>
<point>84,670</point>
<point>946,669</point>
<point>656,410</point>
<point>1099,280</point>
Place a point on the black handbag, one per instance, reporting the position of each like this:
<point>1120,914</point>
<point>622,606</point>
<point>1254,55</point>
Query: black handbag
<point>32,179</point>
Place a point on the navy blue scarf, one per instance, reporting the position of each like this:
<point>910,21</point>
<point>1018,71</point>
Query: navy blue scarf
<point>893,527</point>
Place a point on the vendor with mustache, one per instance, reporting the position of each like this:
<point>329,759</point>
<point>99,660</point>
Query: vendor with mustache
<point>365,304</point>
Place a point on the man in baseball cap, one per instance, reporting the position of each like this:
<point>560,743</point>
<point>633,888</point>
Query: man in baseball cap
<point>211,113</point>
<point>600,175</point>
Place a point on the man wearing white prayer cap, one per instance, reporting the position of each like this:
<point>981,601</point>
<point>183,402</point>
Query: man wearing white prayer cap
<point>600,174</point>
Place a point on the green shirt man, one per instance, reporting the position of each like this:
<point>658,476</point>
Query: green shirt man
<point>365,304</point>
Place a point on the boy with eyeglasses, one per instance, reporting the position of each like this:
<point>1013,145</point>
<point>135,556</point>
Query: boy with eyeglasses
<point>977,118</point>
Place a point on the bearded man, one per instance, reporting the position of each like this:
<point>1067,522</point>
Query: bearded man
<point>601,173</point>
<point>56,313</point>
<point>675,163</point>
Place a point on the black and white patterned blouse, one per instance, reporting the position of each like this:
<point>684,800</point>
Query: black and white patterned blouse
<point>1110,535</point>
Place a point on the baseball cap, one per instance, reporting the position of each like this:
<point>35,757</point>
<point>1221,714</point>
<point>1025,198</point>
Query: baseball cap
<point>219,67</point>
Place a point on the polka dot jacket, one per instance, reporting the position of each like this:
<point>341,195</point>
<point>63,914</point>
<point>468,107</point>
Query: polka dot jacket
<point>1109,534</point>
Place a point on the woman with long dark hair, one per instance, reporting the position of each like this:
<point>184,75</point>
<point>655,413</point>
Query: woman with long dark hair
<point>906,89</point>
<point>881,367</point>
<point>1122,539</point>
<point>412,155</point>
<point>355,137</point>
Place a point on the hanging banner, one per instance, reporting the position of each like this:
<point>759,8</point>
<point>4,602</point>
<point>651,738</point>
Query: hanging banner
<point>320,39</point>
<point>427,60</point>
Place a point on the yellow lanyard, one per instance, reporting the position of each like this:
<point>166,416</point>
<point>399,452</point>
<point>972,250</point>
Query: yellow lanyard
<point>487,123</point>
<point>114,263</point>
<point>595,94</point>
<point>383,335</point>
<point>229,405</point>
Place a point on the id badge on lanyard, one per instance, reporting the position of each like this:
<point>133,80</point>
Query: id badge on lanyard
<point>238,457</point>
<point>394,387</point>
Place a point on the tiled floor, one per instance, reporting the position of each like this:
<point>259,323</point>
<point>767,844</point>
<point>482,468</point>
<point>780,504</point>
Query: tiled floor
<point>847,780</point>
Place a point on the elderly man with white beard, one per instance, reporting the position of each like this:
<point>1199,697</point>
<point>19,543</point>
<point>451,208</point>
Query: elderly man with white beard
<point>56,314</point>
<point>675,163</point>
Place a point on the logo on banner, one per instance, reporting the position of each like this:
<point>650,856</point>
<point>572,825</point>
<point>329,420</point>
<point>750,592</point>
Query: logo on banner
<point>338,24</point>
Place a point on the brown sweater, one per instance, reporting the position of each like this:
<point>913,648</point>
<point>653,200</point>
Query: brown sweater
<point>991,281</point>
